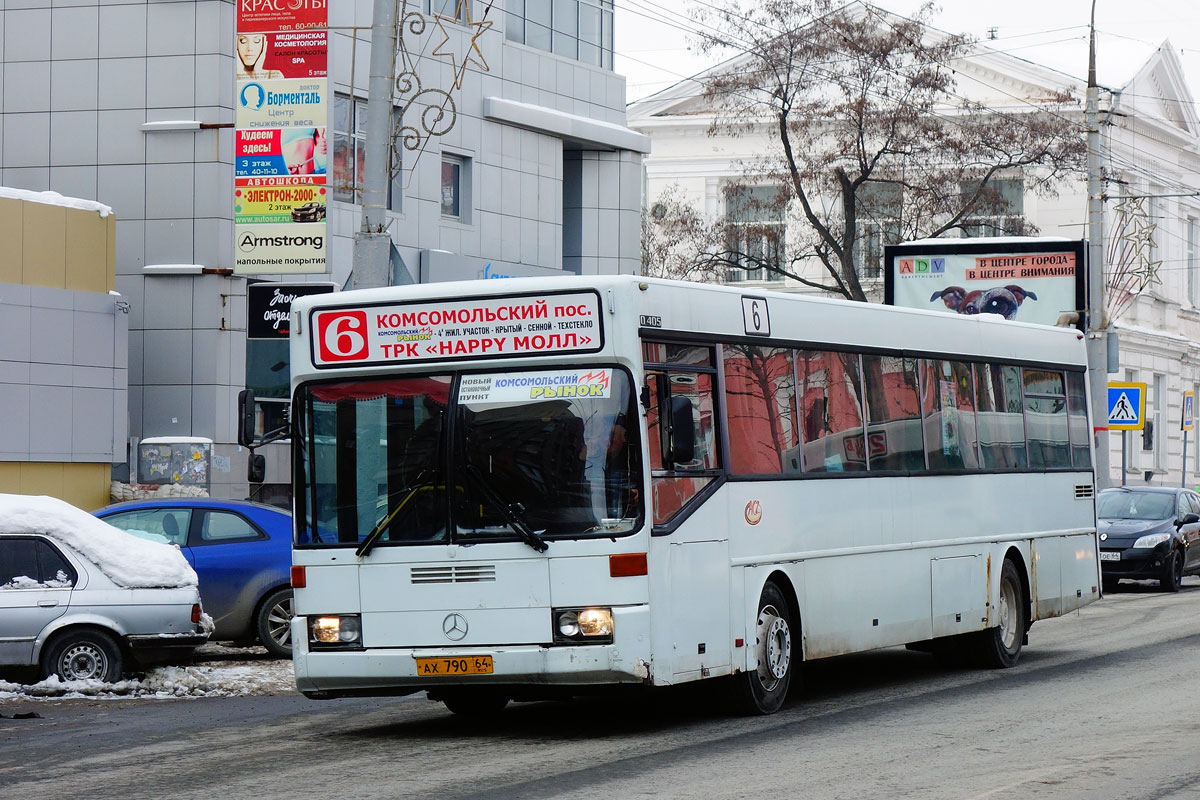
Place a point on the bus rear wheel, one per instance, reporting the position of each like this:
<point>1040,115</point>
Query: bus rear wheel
<point>1000,647</point>
<point>763,690</point>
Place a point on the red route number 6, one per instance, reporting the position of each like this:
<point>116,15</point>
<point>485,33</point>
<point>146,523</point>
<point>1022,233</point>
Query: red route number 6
<point>342,336</point>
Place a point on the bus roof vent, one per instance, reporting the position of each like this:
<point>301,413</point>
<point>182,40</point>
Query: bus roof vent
<point>454,573</point>
<point>1084,491</point>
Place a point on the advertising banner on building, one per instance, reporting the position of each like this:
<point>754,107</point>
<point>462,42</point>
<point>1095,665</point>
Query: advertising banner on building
<point>281,105</point>
<point>270,307</point>
<point>281,15</point>
<point>280,249</point>
<point>1029,280</point>
<point>281,151</point>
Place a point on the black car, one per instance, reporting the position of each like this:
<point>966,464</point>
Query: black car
<point>1148,532</point>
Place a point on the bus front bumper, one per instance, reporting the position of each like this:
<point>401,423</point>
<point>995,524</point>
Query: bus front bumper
<point>394,671</point>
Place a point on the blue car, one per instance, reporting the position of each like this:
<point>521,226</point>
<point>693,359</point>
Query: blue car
<point>242,553</point>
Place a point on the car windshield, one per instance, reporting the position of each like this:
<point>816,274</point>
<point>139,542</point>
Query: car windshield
<point>522,456</point>
<point>1135,505</point>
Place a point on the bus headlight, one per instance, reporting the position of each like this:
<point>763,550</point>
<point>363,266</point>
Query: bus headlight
<point>344,630</point>
<point>591,625</point>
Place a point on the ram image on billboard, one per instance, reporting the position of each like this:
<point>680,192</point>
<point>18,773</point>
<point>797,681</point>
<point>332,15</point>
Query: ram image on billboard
<point>1028,279</point>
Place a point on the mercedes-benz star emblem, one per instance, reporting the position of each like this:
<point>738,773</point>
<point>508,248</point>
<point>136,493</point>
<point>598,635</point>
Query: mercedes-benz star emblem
<point>455,627</point>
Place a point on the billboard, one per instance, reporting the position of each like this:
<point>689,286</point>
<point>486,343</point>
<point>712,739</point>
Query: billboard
<point>281,100</point>
<point>1031,279</point>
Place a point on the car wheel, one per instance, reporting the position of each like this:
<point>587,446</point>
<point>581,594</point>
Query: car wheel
<point>85,655</point>
<point>474,702</point>
<point>1172,573</point>
<point>1000,647</point>
<point>763,690</point>
<point>274,623</point>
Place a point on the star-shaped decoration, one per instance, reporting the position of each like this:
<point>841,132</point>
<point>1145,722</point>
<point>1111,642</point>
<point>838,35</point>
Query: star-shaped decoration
<point>473,53</point>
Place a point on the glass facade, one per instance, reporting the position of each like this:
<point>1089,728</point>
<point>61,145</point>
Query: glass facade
<point>578,29</point>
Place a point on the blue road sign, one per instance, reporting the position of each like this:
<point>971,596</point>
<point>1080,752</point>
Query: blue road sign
<point>1126,406</point>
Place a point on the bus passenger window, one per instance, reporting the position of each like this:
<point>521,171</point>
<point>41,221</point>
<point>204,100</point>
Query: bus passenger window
<point>948,405</point>
<point>828,388</point>
<point>893,414</point>
<point>1046,419</point>
<point>760,394</point>
<point>999,417</point>
<point>1077,421</point>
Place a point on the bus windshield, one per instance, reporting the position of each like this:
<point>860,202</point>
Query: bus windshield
<point>523,455</point>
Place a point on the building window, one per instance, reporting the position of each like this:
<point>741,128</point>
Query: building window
<point>578,29</point>
<point>349,153</point>
<point>878,208</point>
<point>456,187</point>
<point>1001,209</point>
<point>456,10</point>
<point>1193,279</point>
<point>756,235</point>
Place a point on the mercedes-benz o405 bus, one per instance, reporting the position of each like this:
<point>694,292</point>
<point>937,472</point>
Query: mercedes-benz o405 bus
<point>507,489</point>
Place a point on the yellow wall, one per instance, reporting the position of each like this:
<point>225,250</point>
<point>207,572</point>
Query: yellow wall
<point>83,485</point>
<point>56,246</point>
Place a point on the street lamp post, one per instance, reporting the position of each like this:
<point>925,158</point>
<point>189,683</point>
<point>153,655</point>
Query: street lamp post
<point>1097,324</point>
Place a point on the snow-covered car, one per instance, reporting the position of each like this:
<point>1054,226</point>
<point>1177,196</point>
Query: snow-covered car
<point>81,600</point>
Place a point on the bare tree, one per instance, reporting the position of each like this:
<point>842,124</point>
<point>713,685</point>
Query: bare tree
<point>678,241</point>
<point>867,131</point>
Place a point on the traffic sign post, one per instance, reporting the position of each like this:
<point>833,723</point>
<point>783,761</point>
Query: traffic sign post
<point>1126,412</point>
<point>1187,421</point>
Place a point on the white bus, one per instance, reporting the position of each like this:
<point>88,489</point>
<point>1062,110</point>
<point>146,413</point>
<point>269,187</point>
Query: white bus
<point>511,489</point>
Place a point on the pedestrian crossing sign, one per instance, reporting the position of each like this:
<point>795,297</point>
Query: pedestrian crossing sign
<point>1126,406</point>
<point>1189,411</point>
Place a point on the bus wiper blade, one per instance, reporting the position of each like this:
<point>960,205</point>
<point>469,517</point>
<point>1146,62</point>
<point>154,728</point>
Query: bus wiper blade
<point>368,543</point>
<point>511,511</point>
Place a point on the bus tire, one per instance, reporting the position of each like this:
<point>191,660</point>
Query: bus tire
<point>474,702</point>
<point>1000,647</point>
<point>763,690</point>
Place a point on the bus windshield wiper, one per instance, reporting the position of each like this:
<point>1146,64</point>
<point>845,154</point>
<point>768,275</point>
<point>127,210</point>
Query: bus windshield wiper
<point>510,511</point>
<point>369,542</point>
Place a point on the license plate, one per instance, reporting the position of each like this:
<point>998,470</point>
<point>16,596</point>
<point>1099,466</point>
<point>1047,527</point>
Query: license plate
<point>463,665</point>
<point>1106,556</point>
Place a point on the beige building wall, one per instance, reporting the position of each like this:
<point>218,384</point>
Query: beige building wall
<point>56,246</point>
<point>82,485</point>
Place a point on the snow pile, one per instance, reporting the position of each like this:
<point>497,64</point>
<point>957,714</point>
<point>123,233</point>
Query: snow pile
<point>253,676</point>
<point>128,561</point>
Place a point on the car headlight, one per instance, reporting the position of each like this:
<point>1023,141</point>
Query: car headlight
<point>343,630</point>
<point>1152,540</point>
<point>591,625</point>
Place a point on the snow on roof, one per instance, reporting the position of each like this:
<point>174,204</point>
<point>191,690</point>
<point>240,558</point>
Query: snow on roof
<point>55,199</point>
<point>128,561</point>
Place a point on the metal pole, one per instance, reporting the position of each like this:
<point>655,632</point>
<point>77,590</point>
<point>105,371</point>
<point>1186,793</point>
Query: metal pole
<point>1183,467</point>
<point>1124,445</point>
<point>372,243</point>
<point>1097,341</point>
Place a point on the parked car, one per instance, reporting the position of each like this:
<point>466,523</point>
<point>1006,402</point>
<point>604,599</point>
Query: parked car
<point>1148,532</point>
<point>82,601</point>
<point>242,552</point>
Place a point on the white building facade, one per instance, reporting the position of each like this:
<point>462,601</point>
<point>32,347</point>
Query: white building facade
<point>1151,140</point>
<point>131,103</point>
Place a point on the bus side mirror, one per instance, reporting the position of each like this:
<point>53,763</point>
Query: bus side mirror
<point>246,417</point>
<point>256,468</point>
<point>683,431</point>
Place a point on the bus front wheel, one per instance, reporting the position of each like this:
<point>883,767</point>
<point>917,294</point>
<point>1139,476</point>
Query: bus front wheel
<point>1000,647</point>
<point>763,690</point>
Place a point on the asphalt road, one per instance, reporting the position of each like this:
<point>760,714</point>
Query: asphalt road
<point>1105,703</point>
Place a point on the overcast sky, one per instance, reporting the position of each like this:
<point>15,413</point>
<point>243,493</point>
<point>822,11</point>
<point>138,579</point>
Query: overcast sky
<point>652,42</point>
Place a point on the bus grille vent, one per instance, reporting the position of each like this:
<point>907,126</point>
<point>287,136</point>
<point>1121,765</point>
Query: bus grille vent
<point>455,573</point>
<point>1084,491</point>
